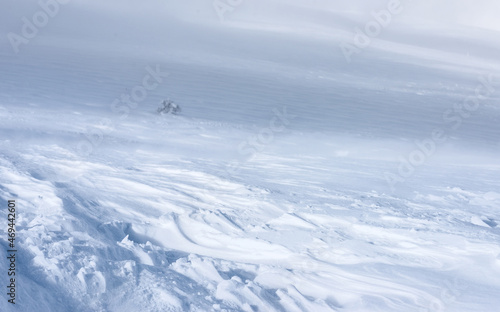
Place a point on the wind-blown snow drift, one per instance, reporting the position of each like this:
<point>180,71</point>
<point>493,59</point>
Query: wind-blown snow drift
<point>293,180</point>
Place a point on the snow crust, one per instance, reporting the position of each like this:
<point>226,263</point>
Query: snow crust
<point>291,181</point>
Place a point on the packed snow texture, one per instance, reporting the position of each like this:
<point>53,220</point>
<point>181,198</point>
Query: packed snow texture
<point>309,170</point>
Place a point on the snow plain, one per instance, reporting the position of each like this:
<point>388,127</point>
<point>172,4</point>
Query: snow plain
<point>293,179</point>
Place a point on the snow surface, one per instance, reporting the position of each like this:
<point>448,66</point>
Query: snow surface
<point>230,206</point>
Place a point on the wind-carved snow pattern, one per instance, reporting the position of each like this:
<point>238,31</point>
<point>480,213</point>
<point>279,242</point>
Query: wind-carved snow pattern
<point>231,206</point>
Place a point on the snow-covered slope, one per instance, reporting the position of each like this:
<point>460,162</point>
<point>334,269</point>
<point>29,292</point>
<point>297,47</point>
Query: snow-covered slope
<point>309,170</point>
